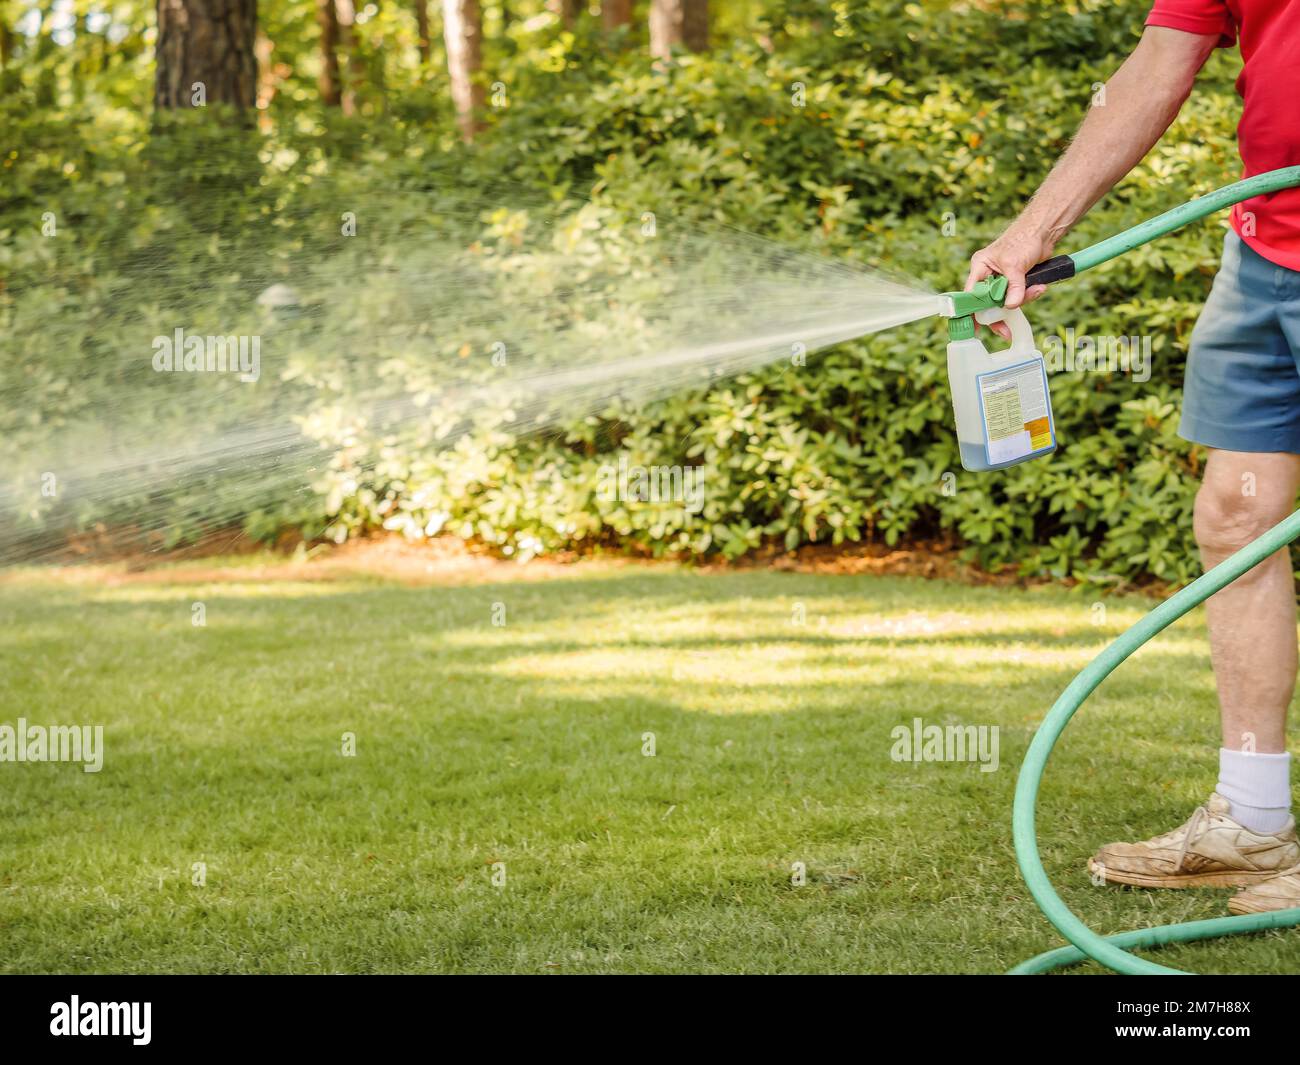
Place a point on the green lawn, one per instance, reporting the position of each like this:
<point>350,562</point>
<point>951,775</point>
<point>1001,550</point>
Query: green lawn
<point>522,744</point>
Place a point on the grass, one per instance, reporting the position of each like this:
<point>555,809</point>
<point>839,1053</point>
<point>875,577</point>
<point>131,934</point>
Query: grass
<point>522,744</point>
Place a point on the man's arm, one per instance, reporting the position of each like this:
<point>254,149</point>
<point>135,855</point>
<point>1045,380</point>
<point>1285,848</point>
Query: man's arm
<point>1142,98</point>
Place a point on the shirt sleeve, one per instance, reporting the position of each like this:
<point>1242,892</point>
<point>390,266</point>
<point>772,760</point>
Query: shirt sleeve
<point>1196,16</point>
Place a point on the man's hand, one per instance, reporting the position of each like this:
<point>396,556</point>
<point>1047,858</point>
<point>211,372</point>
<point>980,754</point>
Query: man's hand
<point>1011,255</point>
<point>1139,102</point>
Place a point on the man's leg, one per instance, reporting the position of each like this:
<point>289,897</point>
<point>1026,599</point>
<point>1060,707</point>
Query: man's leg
<point>1241,397</point>
<point>1252,630</point>
<point>1244,834</point>
<point>1253,620</point>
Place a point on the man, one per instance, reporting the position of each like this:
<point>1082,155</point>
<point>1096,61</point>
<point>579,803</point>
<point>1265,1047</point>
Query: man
<point>1241,400</point>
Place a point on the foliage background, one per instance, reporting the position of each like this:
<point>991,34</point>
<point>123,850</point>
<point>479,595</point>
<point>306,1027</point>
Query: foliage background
<point>913,110</point>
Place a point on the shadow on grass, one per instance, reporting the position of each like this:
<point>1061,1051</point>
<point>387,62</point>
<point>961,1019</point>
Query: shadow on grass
<point>477,742</point>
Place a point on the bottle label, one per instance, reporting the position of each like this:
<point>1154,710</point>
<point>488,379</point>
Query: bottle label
<point>1016,412</point>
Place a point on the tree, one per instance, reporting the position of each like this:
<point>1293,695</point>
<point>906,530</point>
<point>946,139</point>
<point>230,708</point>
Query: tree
<point>353,70</point>
<point>615,13</point>
<point>6,37</point>
<point>678,22</point>
<point>422,28</point>
<point>567,10</point>
<point>205,53</point>
<point>462,27</point>
<point>338,79</point>
<point>327,17</point>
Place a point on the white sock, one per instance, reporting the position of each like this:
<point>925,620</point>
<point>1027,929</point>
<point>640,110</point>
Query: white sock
<point>1259,788</point>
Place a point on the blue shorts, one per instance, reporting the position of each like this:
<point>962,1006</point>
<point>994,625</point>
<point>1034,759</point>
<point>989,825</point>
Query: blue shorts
<point>1242,390</point>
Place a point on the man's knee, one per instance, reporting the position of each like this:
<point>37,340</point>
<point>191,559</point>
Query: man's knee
<point>1227,516</point>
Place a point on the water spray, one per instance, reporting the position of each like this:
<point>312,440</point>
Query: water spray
<point>383,358</point>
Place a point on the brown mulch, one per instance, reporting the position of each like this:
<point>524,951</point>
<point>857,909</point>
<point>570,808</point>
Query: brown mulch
<point>123,559</point>
<point>926,558</point>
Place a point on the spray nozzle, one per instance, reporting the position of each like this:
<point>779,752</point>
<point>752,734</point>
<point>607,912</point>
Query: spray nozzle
<point>960,307</point>
<point>987,293</point>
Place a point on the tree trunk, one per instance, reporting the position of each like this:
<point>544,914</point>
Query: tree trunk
<point>422,26</point>
<point>353,72</point>
<point>206,43</point>
<point>568,11</point>
<point>462,24</point>
<point>678,22</point>
<point>328,20</point>
<point>6,41</point>
<point>82,65</point>
<point>46,89</point>
<point>615,13</point>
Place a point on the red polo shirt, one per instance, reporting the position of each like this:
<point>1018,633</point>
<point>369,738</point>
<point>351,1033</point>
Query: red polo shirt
<point>1269,86</point>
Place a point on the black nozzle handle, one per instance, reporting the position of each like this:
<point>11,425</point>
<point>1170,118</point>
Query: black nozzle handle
<point>1057,268</point>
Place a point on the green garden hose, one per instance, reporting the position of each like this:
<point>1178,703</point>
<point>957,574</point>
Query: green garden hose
<point>1060,267</point>
<point>1113,951</point>
<point>1109,950</point>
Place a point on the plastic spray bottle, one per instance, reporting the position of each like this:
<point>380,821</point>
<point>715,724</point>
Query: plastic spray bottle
<point>1000,398</point>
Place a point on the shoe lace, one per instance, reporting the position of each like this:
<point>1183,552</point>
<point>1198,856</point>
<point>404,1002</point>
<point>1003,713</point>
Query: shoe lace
<point>1191,831</point>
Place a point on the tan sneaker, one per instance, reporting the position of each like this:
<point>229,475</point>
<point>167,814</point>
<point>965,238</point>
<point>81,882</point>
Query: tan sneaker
<point>1276,893</point>
<point>1210,850</point>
